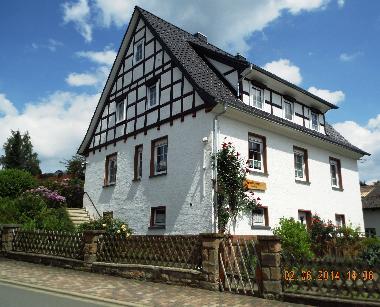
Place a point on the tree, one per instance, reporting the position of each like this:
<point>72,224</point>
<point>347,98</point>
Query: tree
<point>18,154</point>
<point>76,166</point>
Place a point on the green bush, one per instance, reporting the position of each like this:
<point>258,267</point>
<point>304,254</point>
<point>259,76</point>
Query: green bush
<point>371,251</point>
<point>295,239</point>
<point>320,234</point>
<point>110,225</point>
<point>14,182</point>
<point>9,212</point>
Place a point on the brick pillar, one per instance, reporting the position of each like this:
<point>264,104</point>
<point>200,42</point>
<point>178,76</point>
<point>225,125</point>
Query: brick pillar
<point>7,235</point>
<point>270,249</point>
<point>210,260</point>
<point>91,245</point>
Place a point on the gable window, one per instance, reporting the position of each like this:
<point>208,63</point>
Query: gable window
<point>110,169</point>
<point>340,220</point>
<point>138,162</point>
<point>256,153</point>
<point>260,217</point>
<point>288,110</point>
<point>314,121</point>
<point>120,111</point>
<point>153,95</point>
<point>158,217</point>
<point>139,51</point>
<point>256,97</point>
<point>301,169</point>
<point>335,172</point>
<point>159,156</point>
<point>304,217</point>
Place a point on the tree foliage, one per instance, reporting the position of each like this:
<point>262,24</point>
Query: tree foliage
<point>13,182</point>
<point>76,166</point>
<point>18,154</point>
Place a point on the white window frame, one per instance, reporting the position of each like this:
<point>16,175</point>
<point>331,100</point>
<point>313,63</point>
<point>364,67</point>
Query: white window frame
<point>110,159</point>
<point>157,102</point>
<point>251,162</point>
<point>254,102</point>
<point>118,119</point>
<point>296,171</point>
<point>139,162</point>
<point>302,217</point>
<point>334,163</point>
<point>164,145</point>
<point>316,128</point>
<point>140,43</point>
<point>258,219</point>
<point>292,109</point>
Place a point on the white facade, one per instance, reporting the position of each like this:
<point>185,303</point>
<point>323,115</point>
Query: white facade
<point>148,96</point>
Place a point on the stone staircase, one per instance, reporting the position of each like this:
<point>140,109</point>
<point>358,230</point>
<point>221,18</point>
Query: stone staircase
<point>78,215</point>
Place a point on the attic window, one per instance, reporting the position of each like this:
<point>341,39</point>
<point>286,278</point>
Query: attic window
<point>120,111</point>
<point>256,97</point>
<point>139,51</point>
<point>314,121</point>
<point>288,110</point>
<point>153,95</point>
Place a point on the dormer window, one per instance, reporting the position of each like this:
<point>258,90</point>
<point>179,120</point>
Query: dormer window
<point>256,99</point>
<point>139,51</point>
<point>288,110</point>
<point>314,121</point>
<point>153,95</point>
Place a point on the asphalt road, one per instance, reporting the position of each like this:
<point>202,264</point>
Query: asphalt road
<point>12,295</point>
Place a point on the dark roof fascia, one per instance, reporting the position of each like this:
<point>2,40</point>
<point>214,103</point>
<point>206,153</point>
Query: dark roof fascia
<point>278,120</point>
<point>208,99</point>
<point>287,83</point>
<point>228,60</point>
<point>105,85</point>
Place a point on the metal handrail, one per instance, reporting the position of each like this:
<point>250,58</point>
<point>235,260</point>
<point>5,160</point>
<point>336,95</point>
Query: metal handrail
<point>93,204</point>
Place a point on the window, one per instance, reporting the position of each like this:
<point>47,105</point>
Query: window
<point>288,109</point>
<point>314,121</point>
<point>159,156</point>
<point>256,97</point>
<point>340,220</point>
<point>120,111</point>
<point>138,162</point>
<point>370,232</point>
<point>301,169</point>
<point>139,51</point>
<point>110,169</point>
<point>335,172</point>
<point>257,153</point>
<point>153,95</point>
<point>158,217</point>
<point>260,217</point>
<point>304,216</point>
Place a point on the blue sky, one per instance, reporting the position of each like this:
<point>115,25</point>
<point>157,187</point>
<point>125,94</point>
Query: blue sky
<point>55,57</point>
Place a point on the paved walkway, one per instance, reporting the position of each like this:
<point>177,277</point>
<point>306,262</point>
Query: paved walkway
<point>121,290</point>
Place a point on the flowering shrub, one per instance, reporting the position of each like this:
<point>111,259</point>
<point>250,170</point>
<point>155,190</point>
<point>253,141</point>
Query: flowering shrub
<point>320,234</point>
<point>71,189</point>
<point>110,225</point>
<point>54,199</point>
<point>232,196</point>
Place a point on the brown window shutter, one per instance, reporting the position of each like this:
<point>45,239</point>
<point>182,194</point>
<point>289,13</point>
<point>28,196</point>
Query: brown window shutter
<point>265,154</point>
<point>306,157</point>
<point>340,174</point>
<point>266,216</point>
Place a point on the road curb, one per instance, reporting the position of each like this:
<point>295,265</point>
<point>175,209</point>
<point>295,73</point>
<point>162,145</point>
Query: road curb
<point>70,293</point>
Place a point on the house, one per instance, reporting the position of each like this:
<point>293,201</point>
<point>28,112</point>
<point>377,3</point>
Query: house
<point>371,209</point>
<point>170,101</point>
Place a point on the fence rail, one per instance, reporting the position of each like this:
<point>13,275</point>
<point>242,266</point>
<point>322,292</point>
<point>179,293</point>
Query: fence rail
<point>55,243</point>
<point>332,278</point>
<point>169,251</point>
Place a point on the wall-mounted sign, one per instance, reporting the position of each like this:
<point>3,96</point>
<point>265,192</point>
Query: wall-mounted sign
<point>255,185</point>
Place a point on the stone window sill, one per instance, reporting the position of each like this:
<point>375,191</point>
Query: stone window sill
<point>337,189</point>
<point>136,179</point>
<point>257,173</point>
<point>157,227</point>
<point>302,182</point>
<point>260,227</point>
<point>109,185</point>
<point>158,175</point>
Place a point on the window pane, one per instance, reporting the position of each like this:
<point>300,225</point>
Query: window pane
<point>160,217</point>
<point>152,96</point>
<point>334,180</point>
<point>314,121</point>
<point>258,216</point>
<point>161,157</point>
<point>288,111</point>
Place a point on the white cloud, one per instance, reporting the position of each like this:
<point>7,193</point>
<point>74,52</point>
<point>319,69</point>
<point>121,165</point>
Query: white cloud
<point>79,14</point>
<point>285,69</point>
<point>6,107</point>
<point>82,79</point>
<point>236,21</point>
<point>346,57</point>
<point>341,3</point>
<point>366,137</point>
<point>106,57</point>
<point>56,124</point>
<point>51,44</point>
<point>333,97</point>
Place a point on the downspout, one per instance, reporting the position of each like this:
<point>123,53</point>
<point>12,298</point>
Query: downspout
<point>215,171</point>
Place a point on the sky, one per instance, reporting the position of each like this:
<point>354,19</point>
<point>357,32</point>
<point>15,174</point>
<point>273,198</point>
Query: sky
<point>55,57</point>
